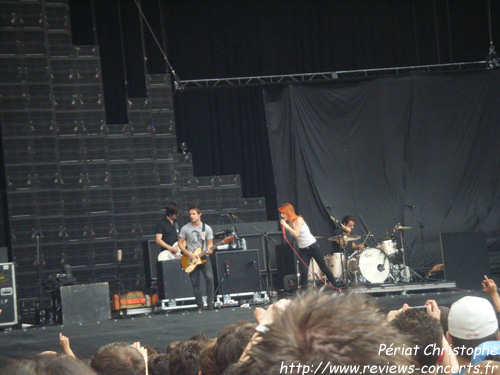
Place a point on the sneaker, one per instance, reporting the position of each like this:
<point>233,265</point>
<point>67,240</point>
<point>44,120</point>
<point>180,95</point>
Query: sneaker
<point>199,310</point>
<point>210,308</point>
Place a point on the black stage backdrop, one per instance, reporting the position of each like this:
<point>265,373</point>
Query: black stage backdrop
<point>431,141</point>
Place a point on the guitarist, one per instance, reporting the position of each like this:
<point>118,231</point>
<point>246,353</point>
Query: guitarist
<point>167,230</point>
<point>199,235</point>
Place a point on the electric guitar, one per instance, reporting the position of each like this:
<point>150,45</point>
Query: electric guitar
<point>168,255</point>
<point>189,265</point>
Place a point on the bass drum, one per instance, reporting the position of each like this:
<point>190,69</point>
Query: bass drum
<point>370,265</point>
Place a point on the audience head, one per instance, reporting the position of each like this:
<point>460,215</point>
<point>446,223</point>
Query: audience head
<point>206,361</point>
<point>426,332</point>
<point>471,321</point>
<point>320,326</point>
<point>158,364</point>
<point>48,364</point>
<point>184,358</point>
<point>445,310</point>
<point>118,358</point>
<point>230,344</point>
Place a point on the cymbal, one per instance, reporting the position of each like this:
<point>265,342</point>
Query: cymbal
<point>384,239</point>
<point>320,237</point>
<point>399,227</point>
<point>344,238</point>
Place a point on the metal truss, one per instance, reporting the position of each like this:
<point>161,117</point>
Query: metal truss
<point>337,75</point>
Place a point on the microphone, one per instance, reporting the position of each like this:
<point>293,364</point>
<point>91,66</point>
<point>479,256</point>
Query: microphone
<point>410,206</point>
<point>119,255</point>
<point>226,266</point>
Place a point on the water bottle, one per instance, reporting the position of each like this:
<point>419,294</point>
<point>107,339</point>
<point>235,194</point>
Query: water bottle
<point>243,244</point>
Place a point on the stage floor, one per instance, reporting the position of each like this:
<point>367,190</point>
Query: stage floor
<point>158,330</point>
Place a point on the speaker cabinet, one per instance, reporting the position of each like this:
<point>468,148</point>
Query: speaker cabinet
<point>173,282</point>
<point>465,258</point>
<point>87,303</point>
<point>285,263</point>
<point>243,271</point>
<point>150,251</point>
<point>8,298</point>
<point>290,283</point>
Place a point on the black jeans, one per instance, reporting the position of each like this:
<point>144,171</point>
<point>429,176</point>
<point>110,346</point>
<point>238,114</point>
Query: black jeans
<point>208,274</point>
<point>313,251</point>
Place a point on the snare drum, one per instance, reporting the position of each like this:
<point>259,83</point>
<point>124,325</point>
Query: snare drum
<point>389,247</point>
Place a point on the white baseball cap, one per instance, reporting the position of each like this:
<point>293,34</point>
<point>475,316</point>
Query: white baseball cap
<point>472,318</point>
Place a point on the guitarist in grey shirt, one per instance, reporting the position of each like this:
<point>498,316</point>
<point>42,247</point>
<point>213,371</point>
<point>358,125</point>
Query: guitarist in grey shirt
<point>196,235</point>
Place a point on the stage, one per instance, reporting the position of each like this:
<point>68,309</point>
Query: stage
<point>161,328</point>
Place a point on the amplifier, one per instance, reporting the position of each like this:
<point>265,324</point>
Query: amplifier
<point>8,298</point>
<point>130,300</point>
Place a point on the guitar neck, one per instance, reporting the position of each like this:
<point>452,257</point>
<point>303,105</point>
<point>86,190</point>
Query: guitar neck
<point>217,245</point>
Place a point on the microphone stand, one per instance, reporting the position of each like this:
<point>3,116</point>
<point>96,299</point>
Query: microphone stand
<point>266,248</point>
<point>252,262</point>
<point>421,225</point>
<point>118,281</point>
<point>41,311</point>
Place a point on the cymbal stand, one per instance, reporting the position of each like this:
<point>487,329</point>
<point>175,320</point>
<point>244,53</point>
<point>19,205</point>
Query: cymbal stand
<point>402,242</point>
<point>421,226</point>
<point>338,226</point>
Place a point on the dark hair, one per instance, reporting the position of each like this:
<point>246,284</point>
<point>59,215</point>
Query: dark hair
<point>231,343</point>
<point>341,329</point>
<point>195,207</point>
<point>347,219</point>
<point>445,311</point>
<point>206,360</point>
<point>48,364</point>
<point>425,330</point>
<point>471,344</point>
<point>184,358</point>
<point>202,336</point>
<point>172,209</point>
<point>158,364</point>
<point>118,358</point>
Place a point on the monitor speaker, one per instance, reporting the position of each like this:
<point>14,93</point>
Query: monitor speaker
<point>86,303</point>
<point>174,282</point>
<point>465,258</point>
<point>238,271</point>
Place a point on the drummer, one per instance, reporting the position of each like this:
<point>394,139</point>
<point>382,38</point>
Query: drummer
<point>344,244</point>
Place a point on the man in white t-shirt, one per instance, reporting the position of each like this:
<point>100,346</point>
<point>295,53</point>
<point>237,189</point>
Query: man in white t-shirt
<point>196,235</point>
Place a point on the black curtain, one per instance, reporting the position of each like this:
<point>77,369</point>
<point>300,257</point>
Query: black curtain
<point>229,38</point>
<point>229,137</point>
<point>373,149</point>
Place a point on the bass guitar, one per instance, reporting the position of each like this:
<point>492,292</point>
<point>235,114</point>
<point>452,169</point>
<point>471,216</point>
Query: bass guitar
<point>189,265</point>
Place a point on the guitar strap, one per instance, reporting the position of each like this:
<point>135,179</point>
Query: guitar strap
<point>203,237</point>
<point>176,224</point>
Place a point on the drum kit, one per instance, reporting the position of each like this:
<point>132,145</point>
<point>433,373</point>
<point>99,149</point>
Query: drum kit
<point>384,263</point>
